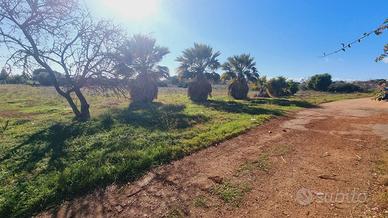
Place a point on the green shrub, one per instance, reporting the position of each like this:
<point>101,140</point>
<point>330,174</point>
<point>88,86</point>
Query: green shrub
<point>293,87</point>
<point>213,77</point>
<point>162,83</point>
<point>343,87</point>
<point>106,120</point>
<point>379,95</point>
<point>277,87</point>
<point>17,79</point>
<point>320,82</point>
<point>176,81</point>
<point>3,76</point>
<point>261,87</point>
<point>43,77</point>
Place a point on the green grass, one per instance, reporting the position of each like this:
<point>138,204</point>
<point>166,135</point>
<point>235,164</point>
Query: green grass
<point>262,163</point>
<point>281,150</point>
<point>201,202</point>
<point>232,194</point>
<point>175,212</point>
<point>46,158</point>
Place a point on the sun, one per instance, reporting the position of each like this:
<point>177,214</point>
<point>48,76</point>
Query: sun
<point>133,9</point>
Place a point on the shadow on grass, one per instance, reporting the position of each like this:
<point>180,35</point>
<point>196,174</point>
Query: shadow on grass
<point>51,152</point>
<point>158,116</point>
<point>52,139</point>
<point>237,107</point>
<point>48,143</point>
<point>26,162</point>
<point>282,102</point>
<point>78,170</point>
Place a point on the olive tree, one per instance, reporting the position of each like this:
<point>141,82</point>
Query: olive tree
<point>60,36</point>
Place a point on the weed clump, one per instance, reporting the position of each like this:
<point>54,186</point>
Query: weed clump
<point>231,193</point>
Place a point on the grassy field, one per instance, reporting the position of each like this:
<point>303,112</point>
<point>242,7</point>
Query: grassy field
<point>46,158</point>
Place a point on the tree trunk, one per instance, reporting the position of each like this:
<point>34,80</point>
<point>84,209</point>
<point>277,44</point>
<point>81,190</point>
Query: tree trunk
<point>144,89</point>
<point>80,115</point>
<point>72,105</point>
<point>85,113</point>
<point>199,89</point>
<point>239,88</point>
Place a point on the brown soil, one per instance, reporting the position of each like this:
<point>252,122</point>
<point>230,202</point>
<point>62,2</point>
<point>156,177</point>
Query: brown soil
<point>328,150</point>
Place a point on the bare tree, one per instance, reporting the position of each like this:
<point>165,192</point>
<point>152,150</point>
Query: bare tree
<point>60,36</point>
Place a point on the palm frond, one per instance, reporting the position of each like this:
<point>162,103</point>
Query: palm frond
<point>241,66</point>
<point>142,55</point>
<point>199,59</point>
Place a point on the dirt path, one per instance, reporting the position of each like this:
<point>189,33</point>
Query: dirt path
<point>315,163</point>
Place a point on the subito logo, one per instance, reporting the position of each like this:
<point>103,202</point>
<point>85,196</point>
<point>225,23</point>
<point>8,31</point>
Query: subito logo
<point>304,197</point>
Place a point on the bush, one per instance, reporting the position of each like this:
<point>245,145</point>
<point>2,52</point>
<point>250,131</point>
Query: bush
<point>172,80</point>
<point>43,77</point>
<point>343,87</point>
<point>261,87</point>
<point>176,81</point>
<point>162,83</point>
<point>293,87</point>
<point>320,82</point>
<point>382,91</point>
<point>17,79</point>
<point>106,121</point>
<point>46,79</point>
<point>3,76</point>
<point>380,95</point>
<point>183,84</point>
<point>277,87</point>
<point>214,78</point>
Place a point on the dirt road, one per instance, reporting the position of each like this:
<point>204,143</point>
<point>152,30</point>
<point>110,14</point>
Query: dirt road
<point>318,162</point>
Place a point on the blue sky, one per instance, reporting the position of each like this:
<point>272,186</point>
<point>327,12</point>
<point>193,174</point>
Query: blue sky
<point>285,37</point>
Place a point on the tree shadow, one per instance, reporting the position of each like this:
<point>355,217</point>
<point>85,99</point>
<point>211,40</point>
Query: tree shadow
<point>48,143</point>
<point>282,102</point>
<point>158,116</point>
<point>237,107</point>
<point>46,152</point>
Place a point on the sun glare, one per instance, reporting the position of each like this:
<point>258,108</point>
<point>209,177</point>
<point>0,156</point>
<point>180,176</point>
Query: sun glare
<point>133,9</point>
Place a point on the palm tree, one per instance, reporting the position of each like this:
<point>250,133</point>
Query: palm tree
<point>140,61</point>
<point>240,69</point>
<point>195,63</point>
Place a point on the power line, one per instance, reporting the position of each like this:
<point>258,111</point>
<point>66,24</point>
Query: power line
<point>345,46</point>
